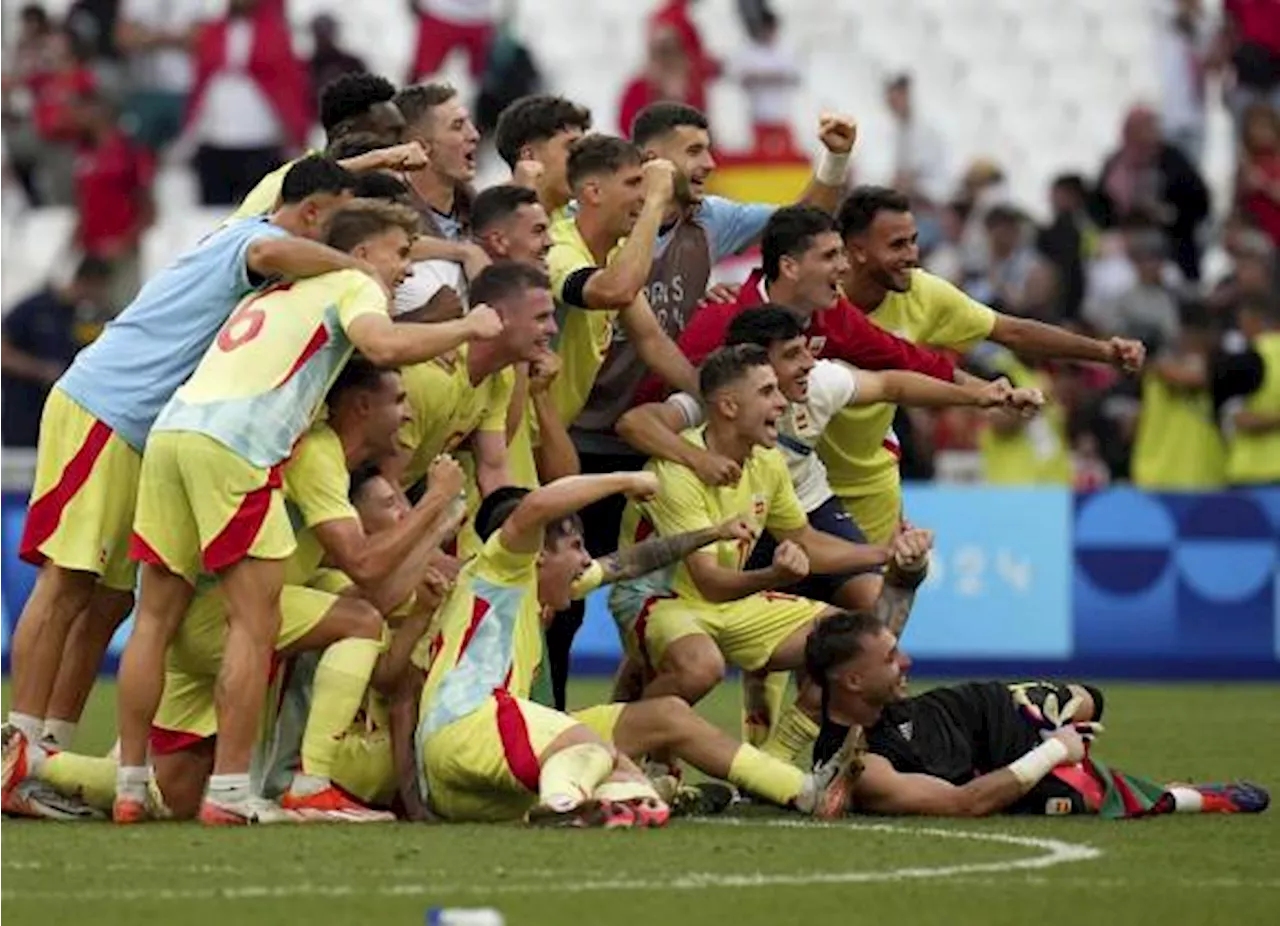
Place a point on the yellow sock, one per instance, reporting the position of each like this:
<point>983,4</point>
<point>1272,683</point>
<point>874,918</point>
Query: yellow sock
<point>762,774</point>
<point>632,789</point>
<point>573,774</point>
<point>791,735</point>
<point>91,778</point>
<point>342,676</point>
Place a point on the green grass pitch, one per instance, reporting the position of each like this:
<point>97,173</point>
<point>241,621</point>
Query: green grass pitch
<point>755,868</point>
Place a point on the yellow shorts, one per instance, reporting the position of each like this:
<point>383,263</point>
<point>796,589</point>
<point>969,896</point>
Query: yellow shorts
<point>748,632</point>
<point>363,765</point>
<point>82,502</point>
<point>877,515</point>
<point>202,507</point>
<point>601,719</point>
<point>484,767</point>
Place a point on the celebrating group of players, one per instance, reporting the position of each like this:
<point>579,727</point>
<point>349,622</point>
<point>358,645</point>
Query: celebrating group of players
<point>362,449</point>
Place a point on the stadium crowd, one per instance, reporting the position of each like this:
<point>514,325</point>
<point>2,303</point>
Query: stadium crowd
<point>353,461</point>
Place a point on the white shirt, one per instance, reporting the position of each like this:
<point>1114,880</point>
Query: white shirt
<point>769,103</point>
<point>462,12</point>
<point>832,386</point>
<point>919,154</point>
<point>429,277</point>
<point>235,113</point>
<point>1182,74</point>
<point>168,69</point>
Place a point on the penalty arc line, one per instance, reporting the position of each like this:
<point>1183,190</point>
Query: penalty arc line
<point>1054,852</point>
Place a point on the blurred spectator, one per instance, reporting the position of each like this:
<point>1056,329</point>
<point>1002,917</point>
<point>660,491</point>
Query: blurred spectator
<point>328,58</point>
<point>665,78</point>
<point>1017,280</point>
<point>982,188</point>
<point>1251,40</point>
<point>1252,275</point>
<point>1150,180</point>
<point>113,195</point>
<point>512,73</point>
<point>1248,388</point>
<point>1178,445</point>
<point>62,78</point>
<point>156,35</point>
<point>919,160</point>
<point>39,338</point>
<point>94,25</point>
<point>674,16</point>
<point>249,104</point>
<point>1069,240</point>
<point>21,60</point>
<point>444,25</point>
<point>30,51</point>
<point>1148,309</point>
<point>1185,44</point>
<point>1015,450</point>
<point>1258,180</point>
<point>769,75</point>
<point>946,259</point>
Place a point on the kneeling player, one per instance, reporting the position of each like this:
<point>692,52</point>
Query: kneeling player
<point>980,748</point>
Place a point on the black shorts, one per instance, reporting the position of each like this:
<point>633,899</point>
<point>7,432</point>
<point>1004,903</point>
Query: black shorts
<point>1001,735</point>
<point>830,518</point>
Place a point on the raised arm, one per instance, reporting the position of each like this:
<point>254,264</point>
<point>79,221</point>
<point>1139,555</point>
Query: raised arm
<point>295,258</point>
<point>522,531</point>
<point>913,389</point>
<point>825,190</point>
<point>617,285</point>
<point>659,552</point>
<point>407,575</point>
<point>1037,340</point>
<point>907,570</point>
<point>393,344</point>
<point>490,451</point>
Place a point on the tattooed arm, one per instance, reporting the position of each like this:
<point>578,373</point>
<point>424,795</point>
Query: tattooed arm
<point>659,552</point>
<point>907,569</point>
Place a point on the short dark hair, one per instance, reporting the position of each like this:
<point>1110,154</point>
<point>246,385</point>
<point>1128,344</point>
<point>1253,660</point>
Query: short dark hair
<point>504,279</point>
<point>359,375</point>
<point>497,203</point>
<point>497,506</point>
<point>377,184</point>
<point>789,233</point>
<point>600,154</point>
<point>350,96</point>
<point>315,174</point>
<point>361,219</point>
<point>1072,183</point>
<point>836,640</point>
<point>418,100</point>
<point>536,118</point>
<point>354,144</point>
<point>1003,214</point>
<point>763,326</point>
<point>861,207</point>
<point>360,478</point>
<point>658,119</point>
<point>727,365</point>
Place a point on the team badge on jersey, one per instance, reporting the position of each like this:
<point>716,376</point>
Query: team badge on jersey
<point>759,507</point>
<point>816,344</point>
<point>1057,807</point>
<point>906,729</point>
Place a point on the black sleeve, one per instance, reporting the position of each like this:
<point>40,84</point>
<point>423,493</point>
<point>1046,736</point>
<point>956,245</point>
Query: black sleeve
<point>574,291</point>
<point>1232,375</point>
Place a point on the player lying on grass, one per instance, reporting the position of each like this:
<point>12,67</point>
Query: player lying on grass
<point>975,749</point>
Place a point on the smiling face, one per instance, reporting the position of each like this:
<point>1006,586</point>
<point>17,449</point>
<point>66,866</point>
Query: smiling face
<point>528,323</point>
<point>888,251</point>
<point>388,252</point>
<point>689,149</point>
<point>383,411</point>
<point>814,275</point>
<point>562,561</point>
<point>525,236</point>
<point>618,196</point>
<point>877,676</point>
<point>792,361</point>
<point>379,505</point>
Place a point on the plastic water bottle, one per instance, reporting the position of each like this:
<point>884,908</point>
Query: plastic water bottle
<point>465,916</point>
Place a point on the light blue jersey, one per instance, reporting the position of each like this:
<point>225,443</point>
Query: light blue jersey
<point>126,376</point>
<point>731,227</point>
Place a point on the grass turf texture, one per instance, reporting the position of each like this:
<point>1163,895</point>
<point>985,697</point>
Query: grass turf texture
<point>762,867</point>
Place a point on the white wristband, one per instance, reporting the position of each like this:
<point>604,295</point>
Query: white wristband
<point>832,169</point>
<point>1039,762</point>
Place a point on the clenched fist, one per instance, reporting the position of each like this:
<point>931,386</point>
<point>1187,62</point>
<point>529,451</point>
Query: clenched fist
<point>790,562</point>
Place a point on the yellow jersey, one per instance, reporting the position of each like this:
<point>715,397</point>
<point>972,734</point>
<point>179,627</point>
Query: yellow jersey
<point>1177,445</point>
<point>585,334</point>
<point>932,312</point>
<point>1254,458</point>
<point>265,196</point>
<point>764,496</point>
<point>261,381</point>
<point>317,489</point>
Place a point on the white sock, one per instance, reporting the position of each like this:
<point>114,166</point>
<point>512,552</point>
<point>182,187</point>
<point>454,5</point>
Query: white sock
<point>61,732</point>
<point>132,780</point>
<point>1187,800</point>
<point>807,799</point>
<point>308,784</point>
<point>229,789</point>
<point>36,757</point>
<point>32,727</point>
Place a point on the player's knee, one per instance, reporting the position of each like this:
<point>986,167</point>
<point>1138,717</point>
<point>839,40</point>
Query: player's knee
<point>700,669</point>
<point>860,593</point>
<point>68,592</point>
<point>357,618</point>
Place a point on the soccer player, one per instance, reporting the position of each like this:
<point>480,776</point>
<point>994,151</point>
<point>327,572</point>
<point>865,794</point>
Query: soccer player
<point>464,398</point>
<point>540,130</point>
<point>208,493</point>
<point>99,413</point>
<point>684,625</point>
<point>484,752</point>
<point>816,392</point>
<point>884,281</point>
<point>977,749</point>
<point>356,103</point>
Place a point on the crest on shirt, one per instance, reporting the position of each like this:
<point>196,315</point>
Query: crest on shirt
<point>758,506</point>
<point>1057,807</point>
<point>816,344</point>
<point>906,728</point>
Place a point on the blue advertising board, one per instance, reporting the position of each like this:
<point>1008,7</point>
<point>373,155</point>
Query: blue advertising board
<point>1030,581</point>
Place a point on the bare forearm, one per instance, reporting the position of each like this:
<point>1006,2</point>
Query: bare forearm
<point>655,553</point>
<point>387,550</point>
<point>389,672</point>
<point>897,596</point>
<point>426,247</point>
<point>831,555</point>
<point>388,594</point>
<point>644,429</point>
<point>410,342</point>
<point>297,258</point>
<point>917,390</point>
<point>555,454</point>
<point>719,585</point>
<point>821,195</point>
<point>569,495</point>
<point>622,280</point>
<point>1038,340</point>
<point>991,793</point>
<point>403,717</point>
<point>662,356</point>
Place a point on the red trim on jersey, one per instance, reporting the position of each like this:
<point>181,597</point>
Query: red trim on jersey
<point>892,447</point>
<point>1077,777</point>
<point>644,530</point>
<point>234,541</point>
<point>318,340</point>
<point>142,552</point>
<point>514,734</point>
<point>642,623</point>
<point>166,742</point>
<point>45,513</point>
<point>478,610</point>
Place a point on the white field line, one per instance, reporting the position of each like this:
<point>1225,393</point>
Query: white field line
<point>1050,853</point>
